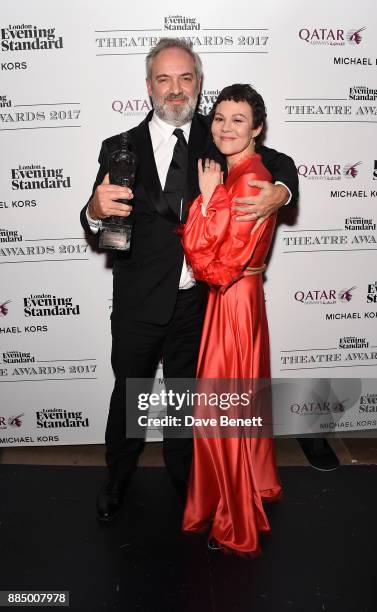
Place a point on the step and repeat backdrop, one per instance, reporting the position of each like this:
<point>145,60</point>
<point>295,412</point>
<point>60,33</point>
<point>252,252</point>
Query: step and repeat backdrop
<point>72,75</point>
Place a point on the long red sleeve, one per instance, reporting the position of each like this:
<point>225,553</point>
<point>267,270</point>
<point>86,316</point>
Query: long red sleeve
<point>217,246</point>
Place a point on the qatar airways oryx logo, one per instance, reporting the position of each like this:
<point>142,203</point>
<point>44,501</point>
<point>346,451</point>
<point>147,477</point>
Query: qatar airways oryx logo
<point>351,170</point>
<point>4,308</point>
<point>324,296</point>
<point>331,36</point>
<point>328,171</point>
<point>354,37</point>
<point>13,421</point>
<point>345,295</point>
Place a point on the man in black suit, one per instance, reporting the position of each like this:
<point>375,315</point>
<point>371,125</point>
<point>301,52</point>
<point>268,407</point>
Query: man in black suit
<point>158,307</point>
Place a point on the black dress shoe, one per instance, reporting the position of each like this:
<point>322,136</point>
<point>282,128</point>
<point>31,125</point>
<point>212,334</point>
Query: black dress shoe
<point>319,454</point>
<point>213,544</point>
<point>110,500</point>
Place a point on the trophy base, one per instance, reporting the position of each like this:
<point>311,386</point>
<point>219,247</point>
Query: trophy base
<point>115,237</point>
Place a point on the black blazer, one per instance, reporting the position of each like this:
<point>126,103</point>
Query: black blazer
<point>146,279</point>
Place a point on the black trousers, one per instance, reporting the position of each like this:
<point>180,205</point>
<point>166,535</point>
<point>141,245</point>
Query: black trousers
<point>137,348</point>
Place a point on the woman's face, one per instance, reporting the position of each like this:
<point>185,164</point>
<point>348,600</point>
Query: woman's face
<point>232,129</point>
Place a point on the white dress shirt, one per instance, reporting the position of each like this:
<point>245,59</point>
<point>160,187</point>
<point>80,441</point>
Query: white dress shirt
<point>163,143</point>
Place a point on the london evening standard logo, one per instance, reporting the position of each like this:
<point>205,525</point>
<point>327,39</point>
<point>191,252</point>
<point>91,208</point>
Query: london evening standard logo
<point>180,22</point>
<point>332,36</point>
<point>7,235</point>
<point>5,102</point>
<point>362,92</point>
<point>24,37</point>
<point>108,41</point>
<point>328,171</point>
<point>11,357</point>
<point>48,305</point>
<point>359,223</point>
<point>368,402</point>
<point>324,296</point>
<point>371,297</point>
<point>12,421</point>
<point>207,99</point>
<point>58,418</point>
<point>353,342</point>
<point>37,176</point>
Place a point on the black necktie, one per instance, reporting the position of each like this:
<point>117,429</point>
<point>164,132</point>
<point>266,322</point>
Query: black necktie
<point>176,177</point>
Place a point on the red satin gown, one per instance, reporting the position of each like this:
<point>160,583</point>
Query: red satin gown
<point>231,476</point>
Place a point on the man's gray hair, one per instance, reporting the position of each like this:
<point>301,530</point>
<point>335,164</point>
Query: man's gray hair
<point>173,43</point>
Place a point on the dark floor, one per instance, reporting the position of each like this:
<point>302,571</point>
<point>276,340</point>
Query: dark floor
<point>320,556</point>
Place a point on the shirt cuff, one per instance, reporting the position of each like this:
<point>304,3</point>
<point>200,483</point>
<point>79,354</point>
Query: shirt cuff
<point>287,188</point>
<point>94,224</point>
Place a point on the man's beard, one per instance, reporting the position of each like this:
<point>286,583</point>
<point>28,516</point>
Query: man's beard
<point>176,115</point>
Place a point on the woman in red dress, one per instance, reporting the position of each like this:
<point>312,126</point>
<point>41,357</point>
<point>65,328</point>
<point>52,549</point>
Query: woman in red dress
<point>231,476</point>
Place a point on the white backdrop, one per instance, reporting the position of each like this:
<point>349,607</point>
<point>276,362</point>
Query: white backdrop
<point>68,79</point>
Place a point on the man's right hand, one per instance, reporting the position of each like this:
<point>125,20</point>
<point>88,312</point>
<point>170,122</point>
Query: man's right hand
<point>104,201</point>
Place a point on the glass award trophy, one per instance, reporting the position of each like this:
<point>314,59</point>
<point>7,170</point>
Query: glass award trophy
<point>116,232</point>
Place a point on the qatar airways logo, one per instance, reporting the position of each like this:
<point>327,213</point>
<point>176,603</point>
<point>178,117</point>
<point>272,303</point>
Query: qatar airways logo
<point>328,171</point>
<point>351,170</point>
<point>324,296</point>
<point>318,408</point>
<point>345,295</point>
<point>4,308</point>
<point>331,36</point>
<point>13,421</point>
<point>132,107</point>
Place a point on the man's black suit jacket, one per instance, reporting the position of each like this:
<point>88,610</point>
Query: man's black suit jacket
<point>146,279</point>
